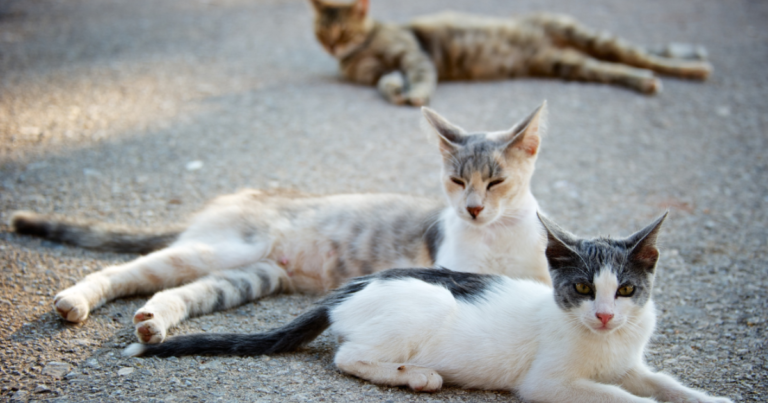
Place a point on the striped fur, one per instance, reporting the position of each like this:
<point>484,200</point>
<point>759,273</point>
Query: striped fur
<point>254,243</point>
<point>406,61</point>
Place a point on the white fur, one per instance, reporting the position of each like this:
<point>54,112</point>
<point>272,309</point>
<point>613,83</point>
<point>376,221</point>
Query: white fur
<point>408,332</point>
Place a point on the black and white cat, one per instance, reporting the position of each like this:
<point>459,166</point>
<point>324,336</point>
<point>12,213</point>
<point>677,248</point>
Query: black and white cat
<point>582,341</point>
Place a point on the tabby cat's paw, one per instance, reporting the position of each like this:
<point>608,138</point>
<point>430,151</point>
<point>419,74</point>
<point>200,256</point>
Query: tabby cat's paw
<point>651,86</point>
<point>392,86</point>
<point>417,100</point>
<point>424,380</point>
<point>71,305</point>
<point>150,331</point>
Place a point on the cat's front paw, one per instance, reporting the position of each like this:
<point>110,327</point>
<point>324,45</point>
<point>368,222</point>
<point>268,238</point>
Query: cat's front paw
<point>392,86</point>
<point>71,305</point>
<point>424,380</point>
<point>149,329</point>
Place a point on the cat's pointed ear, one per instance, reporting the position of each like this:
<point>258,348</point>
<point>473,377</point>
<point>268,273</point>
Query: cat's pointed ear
<point>526,135</point>
<point>361,7</point>
<point>559,244</point>
<point>642,244</point>
<point>451,136</point>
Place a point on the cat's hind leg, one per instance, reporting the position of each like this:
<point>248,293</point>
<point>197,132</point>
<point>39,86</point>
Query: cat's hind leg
<point>421,379</point>
<point>604,46</point>
<point>170,267</point>
<point>215,292</point>
<point>571,64</point>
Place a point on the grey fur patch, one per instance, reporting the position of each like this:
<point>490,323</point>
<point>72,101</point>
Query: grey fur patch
<point>434,238</point>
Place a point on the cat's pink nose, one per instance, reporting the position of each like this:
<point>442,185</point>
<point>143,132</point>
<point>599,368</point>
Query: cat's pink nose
<point>474,211</point>
<point>605,317</point>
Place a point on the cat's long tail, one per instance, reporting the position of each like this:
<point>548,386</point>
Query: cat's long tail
<point>300,331</point>
<point>91,234</point>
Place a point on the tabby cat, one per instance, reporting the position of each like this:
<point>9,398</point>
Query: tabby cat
<point>405,61</point>
<point>581,342</point>
<point>251,244</point>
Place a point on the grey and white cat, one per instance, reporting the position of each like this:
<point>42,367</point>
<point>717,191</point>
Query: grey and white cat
<point>251,244</point>
<point>582,341</point>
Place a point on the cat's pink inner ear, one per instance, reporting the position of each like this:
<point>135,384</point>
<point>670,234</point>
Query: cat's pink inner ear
<point>530,144</point>
<point>361,7</point>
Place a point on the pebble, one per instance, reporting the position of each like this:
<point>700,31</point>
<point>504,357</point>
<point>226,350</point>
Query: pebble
<point>42,389</point>
<point>194,165</point>
<point>56,369</point>
<point>125,371</point>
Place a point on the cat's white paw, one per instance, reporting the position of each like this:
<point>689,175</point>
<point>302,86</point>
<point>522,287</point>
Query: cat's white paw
<point>424,379</point>
<point>149,329</point>
<point>71,305</point>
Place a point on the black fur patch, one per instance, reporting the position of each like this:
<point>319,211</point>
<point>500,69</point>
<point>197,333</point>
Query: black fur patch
<point>467,287</point>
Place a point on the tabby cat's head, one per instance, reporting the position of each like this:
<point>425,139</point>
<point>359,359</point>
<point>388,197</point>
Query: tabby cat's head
<point>604,283</point>
<point>341,27</point>
<point>487,174</point>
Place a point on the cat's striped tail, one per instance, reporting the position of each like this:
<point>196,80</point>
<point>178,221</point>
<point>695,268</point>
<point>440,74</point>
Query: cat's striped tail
<point>91,234</point>
<point>300,331</point>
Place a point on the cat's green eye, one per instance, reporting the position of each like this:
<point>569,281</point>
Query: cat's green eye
<point>458,182</point>
<point>582,288</point>
<point>494,183</point>
<point>626,291</point>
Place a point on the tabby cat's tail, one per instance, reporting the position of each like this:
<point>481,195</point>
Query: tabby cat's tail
<point>92,235</point>
<point>300,331</point>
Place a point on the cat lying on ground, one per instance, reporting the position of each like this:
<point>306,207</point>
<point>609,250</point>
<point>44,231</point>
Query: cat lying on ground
<point>250,244</point>
<point>405,61</point>
<point>581,342</point>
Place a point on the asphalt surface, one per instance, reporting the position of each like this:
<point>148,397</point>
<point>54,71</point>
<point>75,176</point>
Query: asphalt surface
<point>138,111</point>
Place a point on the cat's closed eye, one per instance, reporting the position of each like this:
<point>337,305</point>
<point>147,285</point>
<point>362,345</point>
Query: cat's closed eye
<point>458,181</point>
<point>626,291</point>
<point>494,183</point>
<point>582,288</point>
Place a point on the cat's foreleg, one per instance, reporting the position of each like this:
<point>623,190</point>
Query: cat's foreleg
<point>572,65</point>
<point>642,382</point>
<point>421,77</point>
<point>392,87</point>
<point>351,360</point>
<point>215,292</point>
<point>170,267</point>
<point>538,386</point>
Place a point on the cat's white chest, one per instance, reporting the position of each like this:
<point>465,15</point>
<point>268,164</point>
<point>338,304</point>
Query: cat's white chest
<point>514,249</point>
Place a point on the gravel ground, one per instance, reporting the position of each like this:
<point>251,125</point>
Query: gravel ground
<point>106,105</point>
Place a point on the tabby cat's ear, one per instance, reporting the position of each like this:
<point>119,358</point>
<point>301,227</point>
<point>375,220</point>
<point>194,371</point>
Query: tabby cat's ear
<point>451,136</point>
<point>560,243</point>
<point>361,8</point>
<point>526,135</point>
<point>642,244</point>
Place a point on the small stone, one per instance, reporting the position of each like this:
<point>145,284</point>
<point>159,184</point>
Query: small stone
<point>20,396</point>
<point>92,363</point>
<point>42,389</point>
<point>125,371</point>
<point>56,369</point>
<point>194,165</point>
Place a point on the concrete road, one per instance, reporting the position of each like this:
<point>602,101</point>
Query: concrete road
<point>105,105</point>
